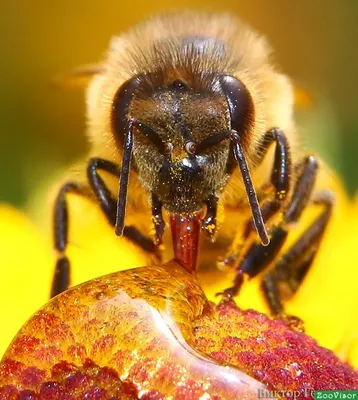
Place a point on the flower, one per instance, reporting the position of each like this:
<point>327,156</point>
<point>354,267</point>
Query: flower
<point>327,303</point>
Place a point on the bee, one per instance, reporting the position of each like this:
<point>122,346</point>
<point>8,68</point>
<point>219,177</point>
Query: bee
<point>194,124</point>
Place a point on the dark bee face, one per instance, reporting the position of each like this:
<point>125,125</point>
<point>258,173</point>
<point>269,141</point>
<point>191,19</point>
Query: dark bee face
<point>171,163</point>
<point>186,136</point>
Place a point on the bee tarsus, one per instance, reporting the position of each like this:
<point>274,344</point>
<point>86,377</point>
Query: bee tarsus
<point>61,278</point>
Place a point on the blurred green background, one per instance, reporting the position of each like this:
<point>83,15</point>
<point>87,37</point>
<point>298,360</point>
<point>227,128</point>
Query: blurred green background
<point>42,128</point>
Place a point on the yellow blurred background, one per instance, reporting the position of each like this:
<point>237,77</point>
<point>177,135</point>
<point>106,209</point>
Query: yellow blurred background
<point>42,128</point>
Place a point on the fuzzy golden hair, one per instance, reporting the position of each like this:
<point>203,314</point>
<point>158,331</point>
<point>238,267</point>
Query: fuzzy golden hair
<point>154,45</point>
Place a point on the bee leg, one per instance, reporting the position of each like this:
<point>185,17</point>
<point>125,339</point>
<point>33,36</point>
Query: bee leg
<point>109,205</point>
<point>281,171</point>
<point>61,278</point>
<point>258,257</point>
<point>293,266</point>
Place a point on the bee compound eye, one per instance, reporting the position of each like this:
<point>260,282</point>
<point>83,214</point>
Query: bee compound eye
<point>190,147</point>
<point>240,104</point>
<point>168,147</point>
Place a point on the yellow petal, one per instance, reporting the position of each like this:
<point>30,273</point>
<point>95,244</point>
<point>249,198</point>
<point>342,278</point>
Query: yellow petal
<point>25,273</point>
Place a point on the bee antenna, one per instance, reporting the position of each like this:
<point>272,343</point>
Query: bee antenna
<point>250,190</point>
<point>122,127</point>
<point>124,179</point>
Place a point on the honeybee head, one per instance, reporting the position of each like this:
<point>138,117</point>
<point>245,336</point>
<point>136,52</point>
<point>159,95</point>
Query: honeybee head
<point>185,136</point>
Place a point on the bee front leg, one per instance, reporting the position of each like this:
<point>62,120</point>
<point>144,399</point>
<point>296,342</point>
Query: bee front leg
<point>109,205</point>
<point>61,279</point>
<point>259,257</point>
